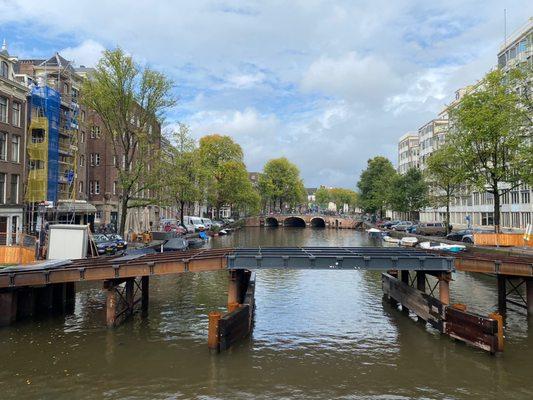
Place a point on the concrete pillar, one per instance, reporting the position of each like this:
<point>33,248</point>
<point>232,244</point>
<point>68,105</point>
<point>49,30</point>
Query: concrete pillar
<point>421,281</point>
<point>529,296</point>
<point>8,307</point>
<point>145,287</point>
<point>111,305</point>
<point>444,288</point>
<point>502,294</point>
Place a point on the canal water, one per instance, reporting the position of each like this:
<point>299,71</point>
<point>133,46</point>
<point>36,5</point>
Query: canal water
<point>317,335</point>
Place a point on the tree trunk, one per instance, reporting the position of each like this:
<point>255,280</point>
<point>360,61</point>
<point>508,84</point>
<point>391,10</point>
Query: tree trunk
<point>182,212</point>
<point>123,215</point>
<point>496,210</point>
<point>447,213</point>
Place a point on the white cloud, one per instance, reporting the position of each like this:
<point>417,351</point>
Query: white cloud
<point>87,53</point>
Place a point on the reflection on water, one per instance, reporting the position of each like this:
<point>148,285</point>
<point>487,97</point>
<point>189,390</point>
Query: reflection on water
<point>318,335</point>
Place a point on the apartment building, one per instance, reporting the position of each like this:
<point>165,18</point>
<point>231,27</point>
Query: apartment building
<point>407,152</point>
<point>430,137</point>
<point>475,208</point>
<point>12,143</point>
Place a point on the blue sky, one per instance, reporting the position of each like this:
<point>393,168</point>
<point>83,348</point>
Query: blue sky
<point>327,84</point>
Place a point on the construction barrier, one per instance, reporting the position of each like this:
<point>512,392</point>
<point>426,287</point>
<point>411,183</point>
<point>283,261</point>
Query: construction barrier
<point>502,239</point>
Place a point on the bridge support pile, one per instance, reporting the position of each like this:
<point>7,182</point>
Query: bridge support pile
<point>226,330</point>
<point>23,302</point>
<point>453,320</point>
<point>123,297</point>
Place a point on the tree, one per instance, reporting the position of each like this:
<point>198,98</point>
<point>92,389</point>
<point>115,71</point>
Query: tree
<point>374,184</point>
<point>280,184</point>
<point>182,173</point>
<point>444,178</point>
<point>341,196</point>
<point>409,192</point>
<point>228,182</point>
<point>491,134</point>
<point>130,101</point>
<point>322,197</point>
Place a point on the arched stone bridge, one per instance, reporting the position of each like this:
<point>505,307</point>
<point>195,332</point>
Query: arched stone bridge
<point>302,221</point>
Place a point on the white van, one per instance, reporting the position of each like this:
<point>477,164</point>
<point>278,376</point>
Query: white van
<point>207,223</point>
<point>194,221</point>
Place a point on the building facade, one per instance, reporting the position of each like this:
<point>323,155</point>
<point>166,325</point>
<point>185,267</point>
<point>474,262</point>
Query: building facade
<point>13,122</point>
<point>407,152</point>
<point>473,207</point>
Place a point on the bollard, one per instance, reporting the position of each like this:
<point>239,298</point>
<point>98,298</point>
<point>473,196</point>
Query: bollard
<point>212,337</point>
<point>498,317</point>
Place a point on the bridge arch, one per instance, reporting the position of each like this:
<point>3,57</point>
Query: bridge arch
<point>271,221</point>
<point>318,222</point>
<point>295,222</point>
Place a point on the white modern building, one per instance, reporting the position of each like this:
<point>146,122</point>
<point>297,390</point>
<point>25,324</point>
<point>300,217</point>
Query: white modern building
<point>475,208</point>
<point>408,152</point>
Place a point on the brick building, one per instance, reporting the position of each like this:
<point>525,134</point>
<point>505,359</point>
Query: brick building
<point>12,144</point>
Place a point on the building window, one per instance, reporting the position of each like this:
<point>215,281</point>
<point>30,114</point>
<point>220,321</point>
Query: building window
<point>80,186</point>
<point>15,114</point>
<point>15,148</point>
<point>14,198</point>
<point>82,160</point>
<point>92,159</point>
<point>3,146</point>
<point>115,183</point>
<point>95,132</point>
<point>514,197</point>
<point>525,196</point>
<point>3,108</point>
<point>4,70</point>
<point>96,158</point>
<point>82,137</point>
<point>526,218</point>
<point>96,187</point>
<point>91,187</point>
<point>2,188</point>
<point>98,215</point>
<point>487,218</point>
<point>515,219</point>
<point>114,160</point>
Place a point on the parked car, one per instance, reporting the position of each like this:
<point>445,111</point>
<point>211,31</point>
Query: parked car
<point>402,226</point>
<point>207,223</point>
<point>121,243</point>
<point>217,224</point>
<point>431,228</point>
<point>388,224</point>
<point>459,235</point>
<point>104,245</point>
<point>196,222</point>
<point>412,229</point>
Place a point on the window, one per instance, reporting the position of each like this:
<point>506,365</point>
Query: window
<point>487,218</point>
<point>15,148</point>
<point>525,196</point>
<point>92,159</point>
<point>3,109</point>
<point>82,137</point>
<point>96,187</point>
<point>515,219</point>
<point>95,132</point>
<point>96,158</point>
<point>115,160</point>
<point>123,161</point>
<point>3,146</point>
<point>115,183</point>
<point>2,188</point>
<point>91,187</point>
<point>80,186</point>
<point>82,160</point>
<point>14,198</point>
<point>514,197</point>
<point>82,115</point>
<point>4,70</point>
<point>15,114</point>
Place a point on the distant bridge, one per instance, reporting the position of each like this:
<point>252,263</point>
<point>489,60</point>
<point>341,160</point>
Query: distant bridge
<point>304,220</point>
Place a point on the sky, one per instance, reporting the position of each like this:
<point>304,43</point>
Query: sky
<point>327,84</point>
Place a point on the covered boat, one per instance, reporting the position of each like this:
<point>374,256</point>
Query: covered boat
<point>390,239</point>
<point>409,241</point>
<point>438,246</point>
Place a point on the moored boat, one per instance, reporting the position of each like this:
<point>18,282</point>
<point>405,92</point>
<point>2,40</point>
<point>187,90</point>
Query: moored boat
<point>438,246</point>
<point>409,241</point>
<point>374,232</point>
<point>390,239</point>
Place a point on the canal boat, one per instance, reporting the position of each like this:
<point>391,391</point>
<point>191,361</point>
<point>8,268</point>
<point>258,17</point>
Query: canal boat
<point>390,239</point>
<point>438,246</point>
<point>408,241</point>
<point>374,232</point>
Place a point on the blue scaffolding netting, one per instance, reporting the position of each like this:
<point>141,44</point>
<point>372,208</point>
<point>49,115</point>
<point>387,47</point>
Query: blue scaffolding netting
<point>47,101</point>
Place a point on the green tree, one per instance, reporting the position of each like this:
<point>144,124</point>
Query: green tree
<point>183,176</point>
<point>341,196</point>
<point>409,192</point>
<point>130,101</point>
<point>322,197</point>
<point>444,178</point>
<point>374,184</point>
<point>491,134</point>
<point>280,184</point>
<point>227,182</point>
